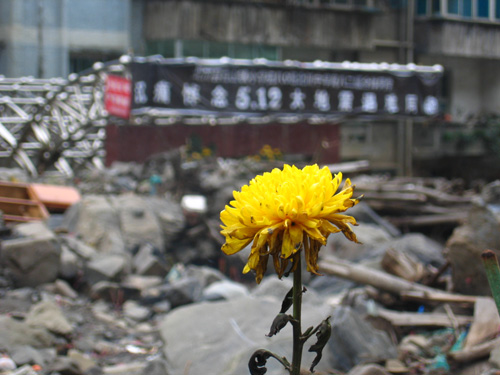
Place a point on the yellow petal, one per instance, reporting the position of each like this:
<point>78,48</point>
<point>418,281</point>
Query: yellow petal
<point>233,245</point>
<point>292,240</point>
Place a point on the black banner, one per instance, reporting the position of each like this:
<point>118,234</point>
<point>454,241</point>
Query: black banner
<point>256,90</point>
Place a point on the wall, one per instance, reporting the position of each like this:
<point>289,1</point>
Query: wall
<point>254,23</point>
<point>458,38</point>
<point>490,84</point>
<point>373,141</point>
<point>464,85</point>
<point>318,142</point>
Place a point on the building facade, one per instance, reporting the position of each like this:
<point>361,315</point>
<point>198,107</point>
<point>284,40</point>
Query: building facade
<point>47,38</point>
<point>52,38</point>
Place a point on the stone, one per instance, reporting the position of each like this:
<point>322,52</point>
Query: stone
<point>141,282</point>
<point>204,274</point>
<point>370,369</point>
<point>34,229</point>
<point>464,248</point>
<point>107,267</point>
<point>156,367</point>
<point>49,315</point>
<point>113,292</point>
<point>146,262</point>
<point>135,311</point>
<point>70,265</point>
<point>169,215</point>
<point>355,341</point>
<point>83,361</point>
<point>495,357</point>
<point>225,289</point>
<point>17,302</point>
<point>65,366</point>
<point>371,237</point>
<point>78,247</point>
<point>330,285</point>
<point>131,368</point>
<point>180,292</point>
<point>7,364</point>
<point>226,334</point>
<point>31,261</point>
<point>27,355</point>
<point>97,223</point>
<point>14,332</point>
<point>62,288</point>
<point>24,370</point>
<point>161,307</point>
<point>139,224</point>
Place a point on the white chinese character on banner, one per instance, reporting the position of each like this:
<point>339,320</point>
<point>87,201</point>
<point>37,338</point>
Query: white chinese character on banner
<point>431,105</point>
<point>162,92</point>
<point>140,96</point>
<point>242,98</point>
<point>322,100</point>
<point>297,97</point>
<point>369,102</point>
<point>275,96</point>
<point>191,94</point>
<point>219,97</point>
<point>391,103</point>
<point>411,103</point>
<point>346,99</point>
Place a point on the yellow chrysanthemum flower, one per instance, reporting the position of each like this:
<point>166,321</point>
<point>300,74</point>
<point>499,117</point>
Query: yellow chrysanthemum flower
<point>285,211</point>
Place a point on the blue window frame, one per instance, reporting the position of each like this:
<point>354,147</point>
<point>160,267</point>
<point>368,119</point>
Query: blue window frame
<point>469,9</point>
<point>483,8</point>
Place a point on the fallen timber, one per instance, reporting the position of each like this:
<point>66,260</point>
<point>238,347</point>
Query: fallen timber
<point>386,282</point>
<point>415,202</point>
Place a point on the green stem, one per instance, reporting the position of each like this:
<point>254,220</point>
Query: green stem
<point>490,262</point>
<point>298,344</point>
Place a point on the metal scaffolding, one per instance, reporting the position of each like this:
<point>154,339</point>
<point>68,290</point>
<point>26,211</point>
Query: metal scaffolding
<point>55,123</point>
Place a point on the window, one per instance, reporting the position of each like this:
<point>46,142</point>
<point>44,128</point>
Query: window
<point>79,61</point>
<point>421,7</point>
<point>460,8</point>
<point>207,49</point>
<point>166,48</point>
<point>483,8</point>
<point>343,3</point>
<point>436,6</point>
<point>488,10</point>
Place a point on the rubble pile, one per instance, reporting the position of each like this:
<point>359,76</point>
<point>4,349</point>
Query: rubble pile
<point>131,280</point>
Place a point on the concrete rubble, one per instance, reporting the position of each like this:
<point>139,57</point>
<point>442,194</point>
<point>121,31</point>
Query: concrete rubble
<point>131,280</point>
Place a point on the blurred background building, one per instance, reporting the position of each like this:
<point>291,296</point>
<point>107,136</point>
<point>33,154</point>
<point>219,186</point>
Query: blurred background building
<point>49,38</point>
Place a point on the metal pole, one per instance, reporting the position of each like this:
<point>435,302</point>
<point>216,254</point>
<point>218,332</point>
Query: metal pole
<point>40,69</point>
<point>409,58</point>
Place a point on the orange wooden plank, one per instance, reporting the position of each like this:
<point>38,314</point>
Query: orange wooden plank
<point>55,196</point>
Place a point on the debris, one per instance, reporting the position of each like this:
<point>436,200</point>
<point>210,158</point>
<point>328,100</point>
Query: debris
<point>410,319</point>
<point>368,276</point>
<point>132,280</point>
<point>486,322</point>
